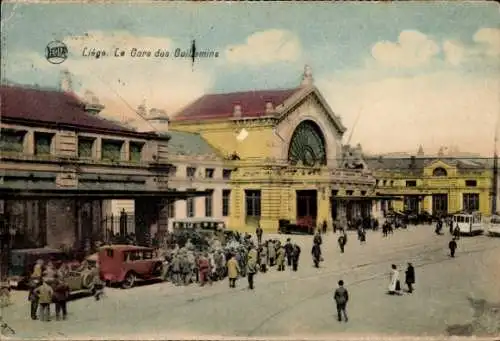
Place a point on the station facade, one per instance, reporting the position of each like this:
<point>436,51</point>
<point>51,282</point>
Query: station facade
<point>437,185</point>
<point>284,151</point>
<point>60,161</point>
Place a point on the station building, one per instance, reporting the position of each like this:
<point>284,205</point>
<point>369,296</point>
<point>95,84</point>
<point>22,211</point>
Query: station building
<point>59,161</point>
<point>283,154</point>
<point>437,185</point>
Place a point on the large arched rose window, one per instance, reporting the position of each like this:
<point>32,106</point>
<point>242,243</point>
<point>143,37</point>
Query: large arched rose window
<point>307,145</point>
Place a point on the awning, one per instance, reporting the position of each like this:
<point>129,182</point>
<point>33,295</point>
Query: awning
<point>8,193</point>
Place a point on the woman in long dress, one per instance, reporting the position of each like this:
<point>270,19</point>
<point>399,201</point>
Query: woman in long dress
<point>394,284</point>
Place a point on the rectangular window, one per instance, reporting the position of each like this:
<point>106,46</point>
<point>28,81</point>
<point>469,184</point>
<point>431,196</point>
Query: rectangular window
<point>226,202</point>
<point>363,192</point>
<point>470,183</point>
<point>226,174</point>
<point>111,150</point>
<point>411,183</point>
<point>135,151</point>
<point>12,141</point>
<point>252,203</point>
<point>191,172</point>
<point>43,143</point>
<point>209,173</point>
<point>208,205</point>
<point>172,171</point>
<point>349,192</point>
<point>85,147</point>
<point>171,209</point>
<point>470,202</point>
<point>190,207</point>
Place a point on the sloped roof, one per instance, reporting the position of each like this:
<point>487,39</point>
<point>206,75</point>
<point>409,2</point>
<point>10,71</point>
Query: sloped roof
<point>190,144</point>
<point>221,106</point>
<point>52,107</point>
<point>418,164</point>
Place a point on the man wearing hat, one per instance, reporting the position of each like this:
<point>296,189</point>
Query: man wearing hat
<point>251,265</point>
<point>410,277</point>
<point>288,252</point>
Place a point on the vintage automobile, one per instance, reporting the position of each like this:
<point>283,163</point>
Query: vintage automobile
<point>22,262</point>
<point>301,227</point>
<point>125,264</point>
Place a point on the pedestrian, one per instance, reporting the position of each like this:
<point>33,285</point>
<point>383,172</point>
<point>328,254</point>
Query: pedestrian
<point>233,270</point>
<point>288,252</point>
<point>316,254</point>
<point>341,298</point>
<point>394,284</point>
<point>251,266</point>
<point>452,245</point>
<point>271,252</point>
<point>281,258</point>
<point>410,277</point>
<point>317,239</point>
<point>342,240</point>
<point>324,227</point>
<point>204,269</point>
<point>295,257</point>
<point>259,232</point>
<point>456,232</point>
<point>263,258</point>
<point>44,293</point>
<point>33,298</point>
<point>61,295</point>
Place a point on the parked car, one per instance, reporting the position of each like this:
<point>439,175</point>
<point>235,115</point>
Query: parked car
<point>286,227</point>
<point>22,262</point>
<point>125,264</point>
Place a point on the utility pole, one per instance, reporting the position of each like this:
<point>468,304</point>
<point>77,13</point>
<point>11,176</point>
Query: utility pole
<point>494,183</point>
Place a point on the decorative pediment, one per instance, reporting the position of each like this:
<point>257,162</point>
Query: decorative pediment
<point>352,157</point>
<point>310,93</point>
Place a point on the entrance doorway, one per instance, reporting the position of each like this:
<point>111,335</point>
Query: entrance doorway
<point>411,204</point>
<point>439,204</point>
<point>307,207</point>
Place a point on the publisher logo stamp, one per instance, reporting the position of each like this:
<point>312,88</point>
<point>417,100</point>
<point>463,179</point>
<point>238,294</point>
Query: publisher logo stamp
<point>56,52</point>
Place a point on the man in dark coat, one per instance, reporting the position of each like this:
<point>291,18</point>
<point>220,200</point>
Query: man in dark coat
<point>324,227</point>
<point>316,254</point>
<point>317,239</point>
<point>295,257</point>
<point>342,240</point>
<point>452,245</point>
<point>410,277</point>
<point>288,252</point>
<point>341,297</point>
<point>259,232</point>
<point>456,232</point>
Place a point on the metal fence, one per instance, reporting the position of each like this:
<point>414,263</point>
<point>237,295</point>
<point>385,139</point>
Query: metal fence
<point>118,225</point>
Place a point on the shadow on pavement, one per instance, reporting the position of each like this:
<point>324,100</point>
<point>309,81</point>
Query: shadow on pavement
<point>486,320</point>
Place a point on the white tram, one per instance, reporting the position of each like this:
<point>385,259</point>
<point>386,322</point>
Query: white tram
<point>494,226</point>
<point>469,224</point>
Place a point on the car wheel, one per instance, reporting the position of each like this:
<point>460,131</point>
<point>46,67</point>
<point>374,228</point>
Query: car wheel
<point>129,281</point>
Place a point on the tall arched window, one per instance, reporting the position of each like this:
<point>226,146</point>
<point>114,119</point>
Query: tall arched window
<point>307,145</point>
<point>440,171</point>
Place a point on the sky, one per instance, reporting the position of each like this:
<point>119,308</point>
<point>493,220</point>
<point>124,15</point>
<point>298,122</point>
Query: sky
<point>399,75</point>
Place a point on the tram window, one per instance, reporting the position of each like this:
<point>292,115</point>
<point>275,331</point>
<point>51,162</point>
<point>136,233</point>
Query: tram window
<point>147,255</point>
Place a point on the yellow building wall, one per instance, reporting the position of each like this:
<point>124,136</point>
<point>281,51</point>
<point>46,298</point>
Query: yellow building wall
<point>454,185</point>
<point>222,136</point>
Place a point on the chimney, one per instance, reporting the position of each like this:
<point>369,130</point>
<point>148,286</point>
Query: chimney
<point>66,83</point>
<point>269,107</point>
<point>92,103</point>
<point>237,111</point>
<point>307,77</point>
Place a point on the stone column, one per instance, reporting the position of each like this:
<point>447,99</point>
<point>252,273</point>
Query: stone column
<point>324,213</point>
<point>61,223</point>
<point>146,217</point>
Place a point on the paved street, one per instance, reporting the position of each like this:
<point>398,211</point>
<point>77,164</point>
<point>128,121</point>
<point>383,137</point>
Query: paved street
<point>287,303</point>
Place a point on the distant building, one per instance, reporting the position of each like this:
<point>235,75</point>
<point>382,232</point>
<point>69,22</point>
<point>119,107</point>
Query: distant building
<point>438,185</point>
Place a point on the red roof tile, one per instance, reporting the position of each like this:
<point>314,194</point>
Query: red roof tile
<point>221,106</point>
<point>50,106</point>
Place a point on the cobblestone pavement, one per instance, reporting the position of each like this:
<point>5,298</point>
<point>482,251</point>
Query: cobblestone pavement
<point>299,304</point>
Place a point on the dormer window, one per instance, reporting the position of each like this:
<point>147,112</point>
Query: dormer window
<point>440,171</point>
<point>43,143</point>
<point>135,151</point>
